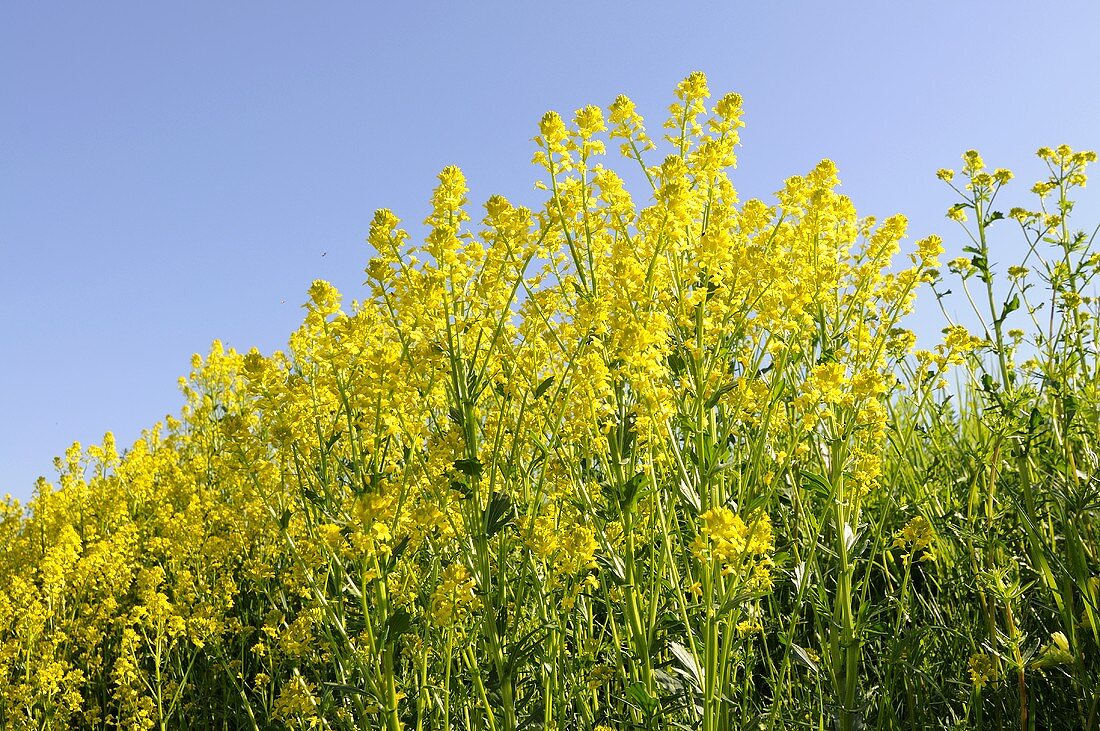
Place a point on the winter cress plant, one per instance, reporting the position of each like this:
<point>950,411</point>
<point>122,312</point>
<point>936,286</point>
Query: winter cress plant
<point>603,464</point>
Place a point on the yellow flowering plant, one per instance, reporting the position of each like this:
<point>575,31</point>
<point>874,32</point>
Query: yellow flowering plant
<point>617,460</point>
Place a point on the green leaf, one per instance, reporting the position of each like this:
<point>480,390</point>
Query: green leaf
<point>642,698</point>
<point>804,657</point>
<point>632,490</point>
<point>1034,420</point>
<point>498,514</point>
<point>686,661</point>
<point>347,688</point>
<point>690,497</point>
<point>713,400</point>
<point>395,554</point>
<point>1069,406</point>
<point>613,566</point>
<point>818,483</point>
<point>456,416</point>
<point>400,622</point>
<point>543,387</point>
<point>525,650</point>
<point>469,467</point>
<point>676,363</point>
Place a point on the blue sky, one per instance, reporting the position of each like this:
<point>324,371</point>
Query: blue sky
<point>175,173</point>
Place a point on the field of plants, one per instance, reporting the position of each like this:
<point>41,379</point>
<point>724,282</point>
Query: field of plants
<point>661,459</point>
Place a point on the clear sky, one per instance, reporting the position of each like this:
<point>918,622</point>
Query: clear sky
<point>171,173</point>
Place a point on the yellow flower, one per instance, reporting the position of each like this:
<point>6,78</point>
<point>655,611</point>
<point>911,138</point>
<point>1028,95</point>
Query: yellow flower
<point>917,535</point>
<point>962,265</point>
<point>739,548</point>
<point>600,676</point>
<point>827,382</point>
<point>1022,215</point>
<point>749,626</point>
<point>1002,176</point>
<point>553,132</point>
<point>958,342</point>
<point>693,87</point>
<point>973,163</point>
<point>929,249</point>
<point>1043,188</point>
<point>453,597</point>
<point>589,121</point>
<point>957,213</point>
<point>324,299</point>
<point>730,106</point>
<point>1056,653</point>
<point>983,670</point>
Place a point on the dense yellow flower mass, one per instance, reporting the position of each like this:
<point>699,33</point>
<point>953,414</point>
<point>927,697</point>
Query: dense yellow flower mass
<point>561,469</point>
<point>983,670</point>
